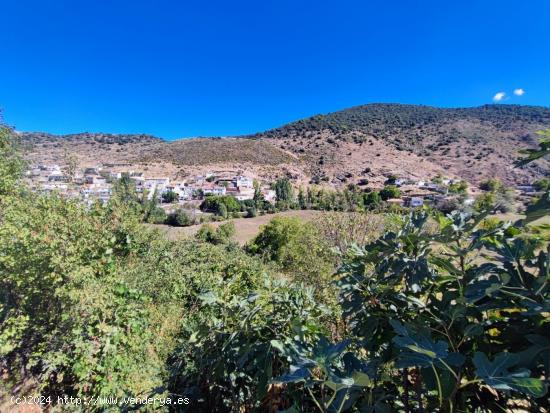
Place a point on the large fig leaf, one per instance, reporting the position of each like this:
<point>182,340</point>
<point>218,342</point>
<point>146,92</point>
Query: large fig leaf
<point>420,350</point>
<point>296,374</point>
<point>496,374</point>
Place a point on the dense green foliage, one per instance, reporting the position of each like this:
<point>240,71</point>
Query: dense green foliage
<point>11,165</point>
<point>390,191</point>
<point>220,205</point>
<point>68,315</point>
<point>425,313</point>
<point>372,199</point>
<point>284,192</point>
<point>145,206</point>
<point>169,197</point>
<point>223,234</point>
<point>180,218</point>
<point>460,187</point>
<point>491,185</point>
<point>350,199</point>
<point>297,247</point>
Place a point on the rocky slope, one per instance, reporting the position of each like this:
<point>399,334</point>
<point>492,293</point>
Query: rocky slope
<point>364,142</point>
<point>472,143</point>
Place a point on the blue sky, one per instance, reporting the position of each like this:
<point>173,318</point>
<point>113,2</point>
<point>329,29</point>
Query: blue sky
<point>190,68</point>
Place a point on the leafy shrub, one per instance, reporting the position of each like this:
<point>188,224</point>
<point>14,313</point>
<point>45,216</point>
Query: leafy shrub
<point>460,187</point>
<point>433,330</point>
<point>68,317</point>
<point>390,180</point>
<point>169,197</point>
<point>485,201</point>
<point>156,216</point>
<point>283,190</point>
<point>297,248</point>
<point>448,205</point>
<point>220,235</point>
<point>341,230</point>
<point>371,199</point>
<point>180,218</point>
<point>11,166</point>
<point>390,191</point>
<point>491,185</point>
<point>220,205</point>
<point>251,212</point>
<point>232,341</point>
<point>499,201</point>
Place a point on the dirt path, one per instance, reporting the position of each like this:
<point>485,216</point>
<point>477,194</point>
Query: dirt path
<point>246,228</point>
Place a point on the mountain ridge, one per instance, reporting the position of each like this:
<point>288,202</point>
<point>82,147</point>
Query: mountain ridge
<point>362,142</point>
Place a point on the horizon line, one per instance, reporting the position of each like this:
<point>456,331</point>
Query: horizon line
<point>243,135</point>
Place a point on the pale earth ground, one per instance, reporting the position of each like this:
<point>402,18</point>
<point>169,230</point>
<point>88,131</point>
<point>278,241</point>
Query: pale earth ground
<point>246,228</point>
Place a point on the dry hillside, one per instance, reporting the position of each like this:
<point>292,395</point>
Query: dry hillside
<point>370,140</point>
<point>364,142</point>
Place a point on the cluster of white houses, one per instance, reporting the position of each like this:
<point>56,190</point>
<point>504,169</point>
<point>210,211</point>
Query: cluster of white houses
<point>96,184</point>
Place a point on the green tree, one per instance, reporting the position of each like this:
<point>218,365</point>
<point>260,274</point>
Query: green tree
<point>169,197</point>
<point>222,210</point>
<point>71,164</point>
<point>180,218</point>
<point>66,308</point>
<point>302,199</point>
<point>283,190</point>
<point>258,199</point>
<point>460,187</point>
<point>491,185</point>
<point>371,199</point>
<point>391,180</point>
<point>485,201</point>
<point>124,193</point>
<point>156,215</point>
<point>390,191</point>
<point>220,205</point>
<point>445,330</point>
<point>309,197</point>
<point>223,234</point>
<point>11,163</point>
<point>297,247</point>
<point>497,197</point>
<point>251,212</point>
<point>152,212</point>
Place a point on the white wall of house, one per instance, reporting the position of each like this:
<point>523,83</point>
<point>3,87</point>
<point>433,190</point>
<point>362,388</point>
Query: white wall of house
<point>244,182</point>
<point>218,190</point>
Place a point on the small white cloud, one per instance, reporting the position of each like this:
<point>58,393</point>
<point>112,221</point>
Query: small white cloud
<point>519,92</point>
<point>499,96</point>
